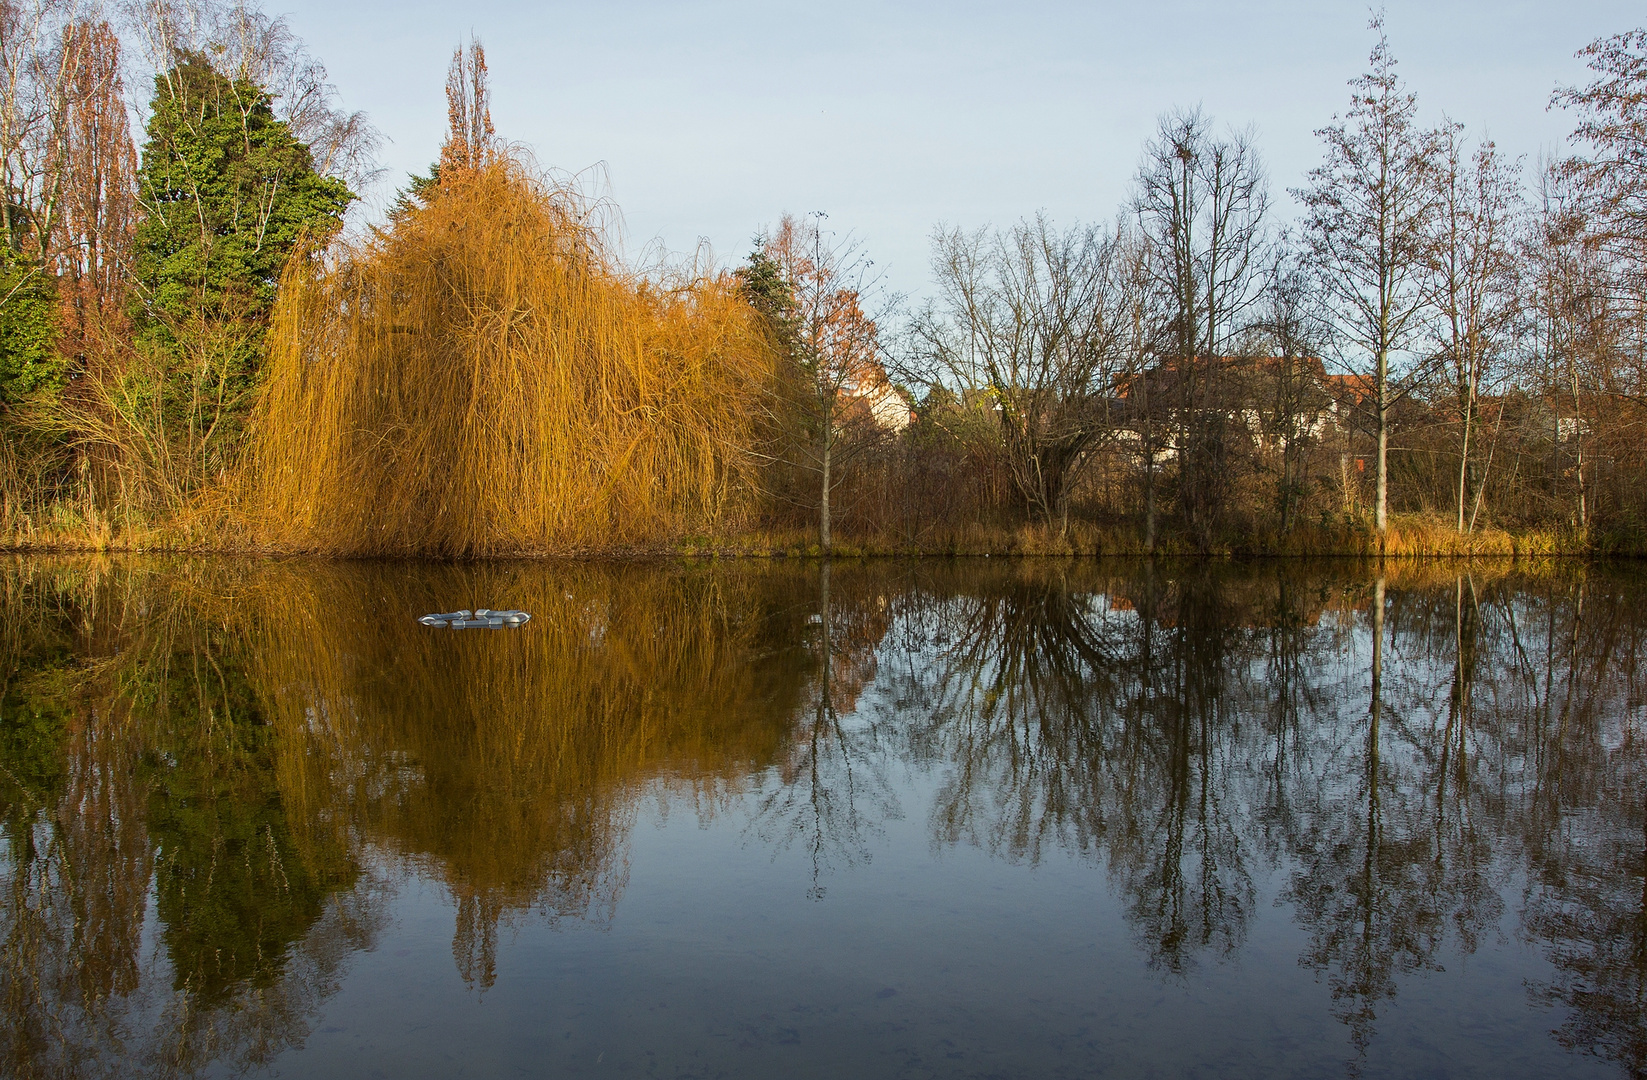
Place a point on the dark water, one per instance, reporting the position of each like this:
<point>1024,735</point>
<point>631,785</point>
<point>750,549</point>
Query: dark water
<point>904,820</point>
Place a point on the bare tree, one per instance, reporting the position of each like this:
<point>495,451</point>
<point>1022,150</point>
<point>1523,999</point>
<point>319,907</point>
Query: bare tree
<point>1291,326</point>
<point>1471,282</point>
<point>832,377</point>
<point>1031,324</point>
<point>1201,203</point>
<point>1369,206</point>
<point>1569,319</point>
<point>1140,325</point>
<point>242,41</point>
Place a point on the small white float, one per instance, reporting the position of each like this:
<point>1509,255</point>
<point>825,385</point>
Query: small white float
<point>479,619</point>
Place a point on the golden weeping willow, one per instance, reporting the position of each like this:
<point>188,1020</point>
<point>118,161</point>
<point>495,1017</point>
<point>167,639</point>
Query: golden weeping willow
<point>480,377</point>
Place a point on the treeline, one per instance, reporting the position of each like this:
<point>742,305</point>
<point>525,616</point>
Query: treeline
<point>137,285</point>
<point>1437,336</point>
<point>1437,355</point>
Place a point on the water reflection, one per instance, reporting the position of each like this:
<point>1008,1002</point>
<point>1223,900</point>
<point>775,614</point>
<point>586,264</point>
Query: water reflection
<point>833,787</point>
<point>214,777</point>
<point>138,772</point>
<point>511,767</point>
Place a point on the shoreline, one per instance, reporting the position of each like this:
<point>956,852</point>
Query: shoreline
<point>1013,543</point>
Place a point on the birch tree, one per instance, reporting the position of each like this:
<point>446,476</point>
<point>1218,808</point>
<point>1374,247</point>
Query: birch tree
<point>246,44</point>
<point>33,85</point>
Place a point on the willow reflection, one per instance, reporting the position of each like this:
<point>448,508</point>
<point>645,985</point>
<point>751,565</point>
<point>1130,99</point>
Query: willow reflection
<point>512,762</point>
<point>248,745</point>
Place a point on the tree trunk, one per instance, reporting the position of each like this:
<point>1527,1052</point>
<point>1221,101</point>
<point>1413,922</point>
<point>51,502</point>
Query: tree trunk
<point>1464,468</point>
<point>823,499</point>
<point>1578,450</point>
<point>1149,494</point>
<point>1381,391</point>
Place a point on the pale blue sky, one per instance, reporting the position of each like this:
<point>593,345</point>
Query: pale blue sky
<point>712,119</point>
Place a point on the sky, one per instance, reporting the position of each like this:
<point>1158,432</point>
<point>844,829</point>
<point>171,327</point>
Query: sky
<point>705,122</point>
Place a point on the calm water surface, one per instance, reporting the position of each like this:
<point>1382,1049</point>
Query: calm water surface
<point>932,819</point>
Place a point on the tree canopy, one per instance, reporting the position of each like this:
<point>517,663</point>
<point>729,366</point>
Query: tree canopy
<point>228,192</point>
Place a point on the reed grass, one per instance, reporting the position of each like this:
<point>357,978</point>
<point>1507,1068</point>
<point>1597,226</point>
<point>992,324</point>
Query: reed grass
<point>1409,536</point>
<point>482,377</point>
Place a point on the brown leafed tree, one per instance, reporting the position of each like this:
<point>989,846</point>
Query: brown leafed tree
<point>833,371</point>
<point>468,111</point>
<point>1609,176</point>
<point>97,162</point>
<point>1613,127</point>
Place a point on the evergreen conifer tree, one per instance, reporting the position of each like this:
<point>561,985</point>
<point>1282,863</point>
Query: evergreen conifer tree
<point>227,192</point>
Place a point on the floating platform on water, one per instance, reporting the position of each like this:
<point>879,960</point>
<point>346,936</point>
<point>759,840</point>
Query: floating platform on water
<point>479,619</point>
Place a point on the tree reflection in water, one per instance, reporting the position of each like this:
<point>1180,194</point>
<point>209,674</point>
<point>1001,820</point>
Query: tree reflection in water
<point>512,763</point>
<point>1386,740</point>
<point>1578,706</point>
<point>243,742</point>
<point>135,763</point>
<point>832,788</point>
<point>1085,713</point>
<point>238,763</point>
<point>1387,864</point>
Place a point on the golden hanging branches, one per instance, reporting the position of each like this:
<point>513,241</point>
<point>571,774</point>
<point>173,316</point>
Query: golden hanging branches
<point>482,378</point>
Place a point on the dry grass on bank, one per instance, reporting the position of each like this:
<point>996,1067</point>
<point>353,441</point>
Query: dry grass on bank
<point>67,530</point>
<point>1409,536</point>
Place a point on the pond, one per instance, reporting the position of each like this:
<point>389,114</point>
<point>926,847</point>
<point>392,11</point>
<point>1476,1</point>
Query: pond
<point>877,819</point>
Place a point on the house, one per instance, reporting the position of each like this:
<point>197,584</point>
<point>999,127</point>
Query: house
<point>868,387</point>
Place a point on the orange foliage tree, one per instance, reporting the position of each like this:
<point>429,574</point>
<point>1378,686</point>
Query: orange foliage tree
<point>811,289</point>
<point>98,209</point>
<point>482,376</point>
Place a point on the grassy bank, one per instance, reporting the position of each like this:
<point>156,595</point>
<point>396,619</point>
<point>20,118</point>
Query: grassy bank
<point>68,529</point>
<point>1409,536</point>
